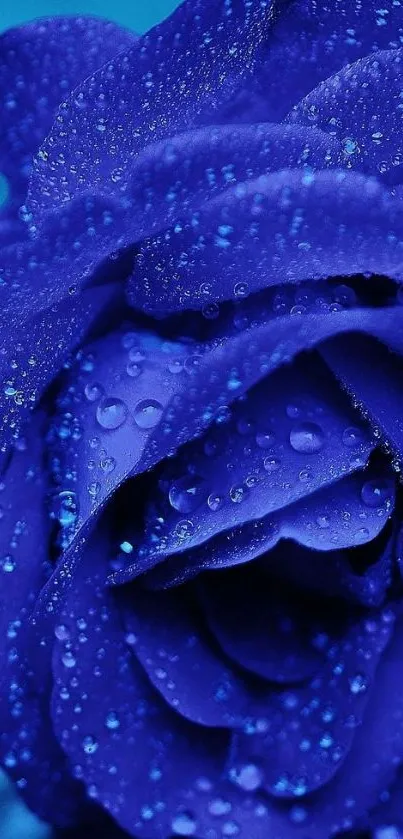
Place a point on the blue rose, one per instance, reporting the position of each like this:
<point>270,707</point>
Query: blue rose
<point>201,420</point>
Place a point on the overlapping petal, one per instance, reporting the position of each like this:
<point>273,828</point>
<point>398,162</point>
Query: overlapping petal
<point>40,63</point>
<point>362,107</point>
<point>182,70</point>
<point>29,750</point>
<point>314,39</point>
<point>284,228</point>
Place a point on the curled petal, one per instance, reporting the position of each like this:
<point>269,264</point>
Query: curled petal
<point>292,435</point>
<point>336,517</point>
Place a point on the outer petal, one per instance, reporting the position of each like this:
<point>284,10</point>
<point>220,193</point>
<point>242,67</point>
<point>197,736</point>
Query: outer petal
<point>40,63</point>
<point>124,739</point>
<point>40,350</point>
<point>183,69</point>
<point>363,107</point>
<point>284,228</point>
<point>28,749</point>
<point>314,39</point>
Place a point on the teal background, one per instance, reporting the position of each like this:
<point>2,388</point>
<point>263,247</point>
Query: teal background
<point>15,821</point>
<point>139,15</point>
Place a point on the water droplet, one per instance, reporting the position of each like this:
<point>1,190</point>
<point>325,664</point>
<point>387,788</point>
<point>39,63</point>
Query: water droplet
<point>238,493</point>
<point>111,413</point>
<point>358,684</point>
<point>374,493</point>
<point>352,437</point>
<point>219,807</point>
<point>8,564</point>
<point>249,777</point>
<point>108,464</point>
<point>147,413</point>
<point>184,824</point>
<point>265,439</point>
<point>214,502</point>
<point>133,369</point>
<point>112,721</point>
<point>67,508</point>
<point>90,745</point>
<point>187,493</point>
<point>307,437</point>
<point>93,392</point>
<point>184,529</point>
<point>271,464</point>
<point>69,660</point>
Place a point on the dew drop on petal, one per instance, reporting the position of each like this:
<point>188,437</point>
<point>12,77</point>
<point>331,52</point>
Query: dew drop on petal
<point>187,493</point>
<point>351,437</point>
<point>147,413</point>
<point>249,777</point>
<point>111,413</point>
<point>307,437</point>
<point>90,745</point>
<point>271,464</point>
<point>93,392</point>
<point>184,824</point>
<point>374,493</point>
<point>214,502</point>
<point>265,439</point>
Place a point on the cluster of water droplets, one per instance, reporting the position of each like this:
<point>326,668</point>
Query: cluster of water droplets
<point>299,446</point>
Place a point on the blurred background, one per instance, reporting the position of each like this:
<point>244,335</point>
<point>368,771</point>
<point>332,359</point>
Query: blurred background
<point>15,821</point>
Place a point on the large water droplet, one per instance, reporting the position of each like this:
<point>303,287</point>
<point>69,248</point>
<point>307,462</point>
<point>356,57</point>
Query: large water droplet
<point>147,413</point>
<point>351,437</point>
<point>187,493</point>
<point>374,493</point>
<point>112,413</point>
<point>307,437</point>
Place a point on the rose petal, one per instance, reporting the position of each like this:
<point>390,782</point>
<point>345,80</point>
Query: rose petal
<point>289,437</point>
<point>301,746</point>
<point>271,629</point>
<point>124,719</point>
<point>362,106</point>
<point>114,398</point>
<point>335,517</point>
<point>40,350</point>
<point>312,40</point>
<point>285,227</point>
<point>28,749</point>
<point>245,357</point>
<point>184,68</point>
<point>372,376</point>
<point>40,63</point>
<point>166,633</point>
<point>264,628</point>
